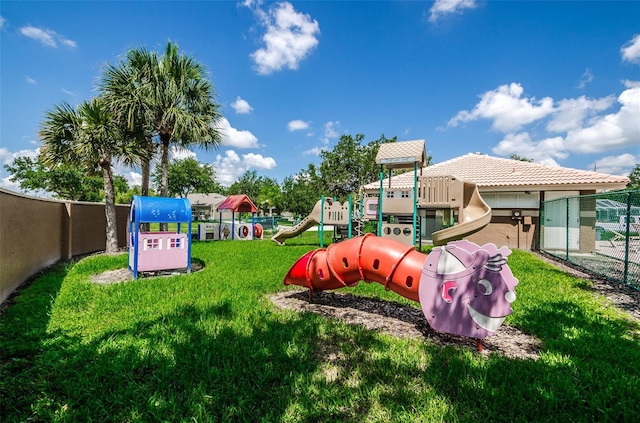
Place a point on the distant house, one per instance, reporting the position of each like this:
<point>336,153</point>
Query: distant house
<point>515,191</point>
<point>203,206</point>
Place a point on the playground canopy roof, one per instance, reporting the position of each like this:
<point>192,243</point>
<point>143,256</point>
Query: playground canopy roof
<point>238,203</point>
<point>402,154</point>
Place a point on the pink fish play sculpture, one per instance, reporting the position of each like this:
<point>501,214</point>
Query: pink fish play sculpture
<point>464,289</point>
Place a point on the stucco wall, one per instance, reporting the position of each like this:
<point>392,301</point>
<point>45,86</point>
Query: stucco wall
<point>513,233</point>
<point>35,233</point>
<point>30,238</point>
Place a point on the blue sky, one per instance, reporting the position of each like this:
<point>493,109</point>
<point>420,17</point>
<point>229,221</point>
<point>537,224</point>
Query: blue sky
<point>555,81</point>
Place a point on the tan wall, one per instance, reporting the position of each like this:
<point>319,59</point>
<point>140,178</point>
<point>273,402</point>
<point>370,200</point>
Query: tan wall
<point>587,223</point>
<point>35,233</point>
<point>30,234</point>
<point>513,233</point>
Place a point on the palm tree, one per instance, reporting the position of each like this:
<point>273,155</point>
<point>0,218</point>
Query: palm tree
<point>184,112</point>
<point>89,138</point>
<point>124,90</point>
<point>167,98</point>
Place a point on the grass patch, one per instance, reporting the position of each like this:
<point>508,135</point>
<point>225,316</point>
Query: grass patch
<point>209,346</point>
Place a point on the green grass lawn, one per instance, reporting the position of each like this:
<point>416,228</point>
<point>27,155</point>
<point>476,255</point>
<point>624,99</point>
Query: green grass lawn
<point>210,346</point>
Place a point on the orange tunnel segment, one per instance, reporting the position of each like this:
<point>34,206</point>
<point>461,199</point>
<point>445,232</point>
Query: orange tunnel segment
<point>368,258</point>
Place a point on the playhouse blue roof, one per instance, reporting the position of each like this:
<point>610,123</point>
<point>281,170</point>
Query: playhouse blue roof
<point>160,209</point>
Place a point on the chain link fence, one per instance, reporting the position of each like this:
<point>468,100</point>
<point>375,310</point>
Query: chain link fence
<point>598,233</point>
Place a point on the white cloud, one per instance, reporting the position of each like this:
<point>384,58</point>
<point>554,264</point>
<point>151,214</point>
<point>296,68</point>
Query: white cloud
<point>30,80</point>
<point>133,178</point>
<point>179,153</point>
<point>257,161</point>
<point>47,37</point>
<point>331,130</point>
<point>241,106</point>
<point>571,113</point>
<point>446,7</point>
<point>7,157</point>
<point>315,151</point>
<point>630,84</point>
<point>631,50</point>
<point>235,138</point>
<point>297,124</point>
<point>507,109</point>
<point>614,130</point>
<point>587,77</point>
<point>615,165</point>
<point>231,166</point>
<point>290,36</point>
<point>545,151</point>
<point>2,21</point>
<point>67,92</point>
<point>7,184</point>
<point>601,133</point>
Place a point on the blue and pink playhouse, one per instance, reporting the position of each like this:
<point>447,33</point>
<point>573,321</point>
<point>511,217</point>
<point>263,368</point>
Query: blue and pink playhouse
<point>155,251</point>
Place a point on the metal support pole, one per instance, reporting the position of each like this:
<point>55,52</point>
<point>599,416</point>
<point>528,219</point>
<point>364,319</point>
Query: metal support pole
<point>380,203</point>
<point>321,231</point>
<point>415,201</point>
<point>350,212</point>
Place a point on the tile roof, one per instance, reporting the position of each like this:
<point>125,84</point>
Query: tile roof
<point>205,199</point>
<point>404,152</point>
<point>488,171</point>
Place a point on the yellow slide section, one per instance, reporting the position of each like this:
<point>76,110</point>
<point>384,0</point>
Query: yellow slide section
<point>475,215</point>
<point>313,219</point>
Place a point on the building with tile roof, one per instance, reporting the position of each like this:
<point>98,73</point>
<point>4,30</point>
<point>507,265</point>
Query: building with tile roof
<point>204,206</point>
<point>498,174</point>
<point>513,189</point>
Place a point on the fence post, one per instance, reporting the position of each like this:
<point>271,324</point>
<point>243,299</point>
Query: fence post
<point>567,225</point>
<point>626,240</point>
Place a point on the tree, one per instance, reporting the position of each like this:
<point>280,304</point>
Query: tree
<point>183,111</point>
<point>187,176</point>
<point>634,178</point>
<point>514,156</point>
<point>167,98</point>
<point>63,181</point>
<point>349,165</point>
<point>127,196</point>
<point>370,170</point>
<point>249,183</point>
<point>300,192</point>
<point>89,138</point>
<point>270,197</point>
<point>126,89</point>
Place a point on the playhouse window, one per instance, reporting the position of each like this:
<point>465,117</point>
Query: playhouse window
<point>391,194</point>
<point>175,243</point>
<point>152,244</point>
<point>405,194</point>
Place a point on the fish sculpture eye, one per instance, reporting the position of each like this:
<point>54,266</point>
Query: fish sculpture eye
<point>484,286</point>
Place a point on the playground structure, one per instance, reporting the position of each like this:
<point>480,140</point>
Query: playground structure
<point>239,203</point>
<point>396,209</point>
<point>325,212</point>
<point>222,231</point>
<point>463,289</point>
<point>155,251</point>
